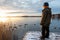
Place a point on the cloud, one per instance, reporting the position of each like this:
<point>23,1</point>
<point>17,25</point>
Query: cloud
<point>22,4</point>
<point>47,0</point>
<point>2,1</point>
<point>28,4</point>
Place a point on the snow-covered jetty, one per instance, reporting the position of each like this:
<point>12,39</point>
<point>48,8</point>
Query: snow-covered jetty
<point>35,35</point>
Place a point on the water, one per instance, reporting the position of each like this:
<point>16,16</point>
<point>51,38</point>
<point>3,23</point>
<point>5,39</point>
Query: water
<point>18,26</point>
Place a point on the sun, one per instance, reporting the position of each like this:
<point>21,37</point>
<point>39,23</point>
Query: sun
<point>3,16</point>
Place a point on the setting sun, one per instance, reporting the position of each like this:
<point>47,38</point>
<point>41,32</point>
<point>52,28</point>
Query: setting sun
<point>4,15</point>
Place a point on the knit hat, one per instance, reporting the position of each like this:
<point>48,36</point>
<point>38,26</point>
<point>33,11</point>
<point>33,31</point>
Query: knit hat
<point>46,4</point>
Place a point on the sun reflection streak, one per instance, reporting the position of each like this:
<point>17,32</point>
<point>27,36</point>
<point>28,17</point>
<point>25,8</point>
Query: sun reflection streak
<point>3,19</point>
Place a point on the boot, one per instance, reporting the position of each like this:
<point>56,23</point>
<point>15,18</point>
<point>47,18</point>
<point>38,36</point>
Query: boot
<point>42,38</point>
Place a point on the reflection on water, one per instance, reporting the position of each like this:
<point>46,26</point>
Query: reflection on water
<point>14,28</point>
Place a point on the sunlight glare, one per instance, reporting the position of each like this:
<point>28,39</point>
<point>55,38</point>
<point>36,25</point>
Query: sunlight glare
<point>3,19</point>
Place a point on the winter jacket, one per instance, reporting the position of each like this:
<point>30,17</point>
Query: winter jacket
<point>46,16</point>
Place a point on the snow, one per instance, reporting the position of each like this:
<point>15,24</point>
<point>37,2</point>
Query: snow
<point>36,36</point>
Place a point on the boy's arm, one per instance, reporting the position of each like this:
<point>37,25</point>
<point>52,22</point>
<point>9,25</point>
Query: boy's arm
<point>44,15</point>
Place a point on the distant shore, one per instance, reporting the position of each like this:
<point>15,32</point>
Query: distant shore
<point>53,16</point>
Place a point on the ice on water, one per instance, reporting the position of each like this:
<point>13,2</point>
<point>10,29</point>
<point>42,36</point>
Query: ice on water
<point>36,36</point>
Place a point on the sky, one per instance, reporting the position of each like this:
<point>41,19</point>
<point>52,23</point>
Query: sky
<point>29,5</point>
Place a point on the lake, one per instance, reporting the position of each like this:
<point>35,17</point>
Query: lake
<point>20,25</point>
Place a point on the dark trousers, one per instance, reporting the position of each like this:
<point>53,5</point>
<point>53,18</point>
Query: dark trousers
<point>45,31</point>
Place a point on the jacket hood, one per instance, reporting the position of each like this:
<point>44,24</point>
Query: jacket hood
<point>48,9</point>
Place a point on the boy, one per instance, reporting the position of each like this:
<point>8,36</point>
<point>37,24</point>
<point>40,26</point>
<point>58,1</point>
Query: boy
<point>45,22</point>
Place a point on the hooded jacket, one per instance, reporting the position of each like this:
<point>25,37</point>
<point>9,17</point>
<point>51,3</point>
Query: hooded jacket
<point>46,16</point>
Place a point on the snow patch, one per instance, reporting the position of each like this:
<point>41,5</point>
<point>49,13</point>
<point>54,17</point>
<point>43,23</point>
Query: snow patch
<point>36,36</point>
